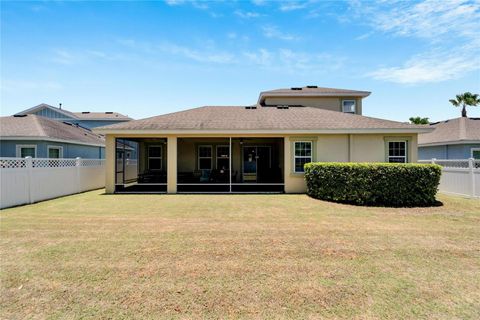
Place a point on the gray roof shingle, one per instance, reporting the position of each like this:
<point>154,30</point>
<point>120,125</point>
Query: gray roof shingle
<point>453,130</point>
<point>261,118</point>
<point>40,127</point>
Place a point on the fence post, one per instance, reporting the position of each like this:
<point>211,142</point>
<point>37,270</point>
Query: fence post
<point>77,166</point>
<point>29,165</point>
<point>471,166</point>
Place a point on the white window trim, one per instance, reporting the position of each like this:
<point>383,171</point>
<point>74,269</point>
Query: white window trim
<point>406,151</point>
<point>301,157</point>
<point>354,106</point>
<point>60,153</point>
<point>217,157</point>
<point>472,150</point>
<point>18,148</point>
<point>160,157</point>
<point>211,156</point>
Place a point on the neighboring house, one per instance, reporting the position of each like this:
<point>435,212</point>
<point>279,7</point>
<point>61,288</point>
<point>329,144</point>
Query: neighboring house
<point>39,137</point>
<point>84,119</point>
<point>457,138</point>
<point>258,148</point>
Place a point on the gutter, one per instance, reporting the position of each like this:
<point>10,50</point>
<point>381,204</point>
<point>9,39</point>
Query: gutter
<point>51,140</point>
<point>271,132</point>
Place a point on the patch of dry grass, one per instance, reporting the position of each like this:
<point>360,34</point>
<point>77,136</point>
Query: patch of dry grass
<point>238,256</point>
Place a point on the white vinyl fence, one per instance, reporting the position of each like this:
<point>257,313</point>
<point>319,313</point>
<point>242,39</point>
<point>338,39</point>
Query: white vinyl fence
<point>28,180</point>
<point>460,177</point>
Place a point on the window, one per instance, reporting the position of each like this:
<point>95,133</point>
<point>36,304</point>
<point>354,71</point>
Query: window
<point>397,151</point>
<point>303,154</point>
<point>26,151</point>
<point>476,153</point>
<point>348,106</point>
<point>155,157</point>
<point>55,152</point>
<point>223,157</point>
<point>205,157</point>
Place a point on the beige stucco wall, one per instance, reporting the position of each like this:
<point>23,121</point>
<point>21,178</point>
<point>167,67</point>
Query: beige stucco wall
<point>328,147</point>
<point>343,148</point>
<point>328,103</point>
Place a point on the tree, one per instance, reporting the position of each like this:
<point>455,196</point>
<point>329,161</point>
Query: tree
<point>419,120</point>
<point>464,100</point>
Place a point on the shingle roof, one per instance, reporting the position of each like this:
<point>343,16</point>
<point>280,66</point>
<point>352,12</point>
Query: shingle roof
<point>452,131</point>
<point>87,115</point>
<point>261,118</point>
<point>312,91</point>
<point>40,127</point>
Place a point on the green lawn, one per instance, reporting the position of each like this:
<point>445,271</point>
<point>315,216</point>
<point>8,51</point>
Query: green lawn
<point>238,256</point>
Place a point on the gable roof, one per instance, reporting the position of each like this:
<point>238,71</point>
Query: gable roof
<point>311,91</point>
<point>85,115</point>
<point>40,128</point>
<point>453,131</point>
<point>220,119</point>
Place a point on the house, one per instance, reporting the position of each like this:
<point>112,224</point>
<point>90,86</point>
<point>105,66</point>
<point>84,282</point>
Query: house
<point>457,138</point>
<point>84,119</point>
<point>40,137</point>
<point>256,148</point>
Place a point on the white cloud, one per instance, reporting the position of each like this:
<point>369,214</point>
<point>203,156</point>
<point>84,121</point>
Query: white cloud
<point>431,67</point>
<point>443,26</point>
<point>212,55</point>
<point>293,62</point>
<point>295,5</point>
<point>273,32</point>
<point>246,14</point>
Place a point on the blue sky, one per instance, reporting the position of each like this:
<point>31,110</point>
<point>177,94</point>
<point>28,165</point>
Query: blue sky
<point>150,58</point>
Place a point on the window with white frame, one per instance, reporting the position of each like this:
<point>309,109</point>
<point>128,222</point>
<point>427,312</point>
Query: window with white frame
<point>24,150</point>
<point>55,152</point>
<point>348,106</point>
<point>155,155</point>
<point>223,157</point>
<point>475,153</point>
<point>204,157</point>
<point>397,151</point>
<point>302,155</point>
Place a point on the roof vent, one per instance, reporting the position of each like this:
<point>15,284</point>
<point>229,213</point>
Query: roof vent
<point>312,87</point>
<point>296,88</point>
<point>19,115</point>
<point>108,112</point>
<point>282,107</point>
<point>250,107</point>
<point>85,112</point>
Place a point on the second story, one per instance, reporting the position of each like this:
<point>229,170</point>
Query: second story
<point>342,100</point>
<point>84,119</point>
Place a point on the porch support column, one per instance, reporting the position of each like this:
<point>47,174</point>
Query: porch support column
<point>287,164</point>
<point>172,165</point>
<point>110,160</point>
<point>230,163</point>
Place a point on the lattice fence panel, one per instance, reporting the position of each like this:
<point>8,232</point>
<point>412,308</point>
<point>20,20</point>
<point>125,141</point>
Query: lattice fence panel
<point>9,163</point>
<point>91,162</point>
<point>53,163</point>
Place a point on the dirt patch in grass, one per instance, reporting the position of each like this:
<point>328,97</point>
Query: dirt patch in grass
<point>238,256</point>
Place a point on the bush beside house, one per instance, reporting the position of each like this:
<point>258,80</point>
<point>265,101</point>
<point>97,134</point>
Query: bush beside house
<point>385,184</point>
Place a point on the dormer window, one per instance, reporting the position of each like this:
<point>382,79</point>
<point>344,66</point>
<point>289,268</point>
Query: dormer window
<point>348,106</point>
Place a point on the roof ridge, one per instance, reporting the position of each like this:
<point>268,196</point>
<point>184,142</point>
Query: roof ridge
<point>36,121</point>
<point>462,129</point>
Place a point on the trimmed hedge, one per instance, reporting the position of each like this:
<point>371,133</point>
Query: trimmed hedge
<point>380,184</point>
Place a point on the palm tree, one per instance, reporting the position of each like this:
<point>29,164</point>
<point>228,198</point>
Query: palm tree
<point>464,100</point>
<point>418,120</point>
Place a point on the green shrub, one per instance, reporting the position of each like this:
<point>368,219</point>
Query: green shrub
<point>381,184</point>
